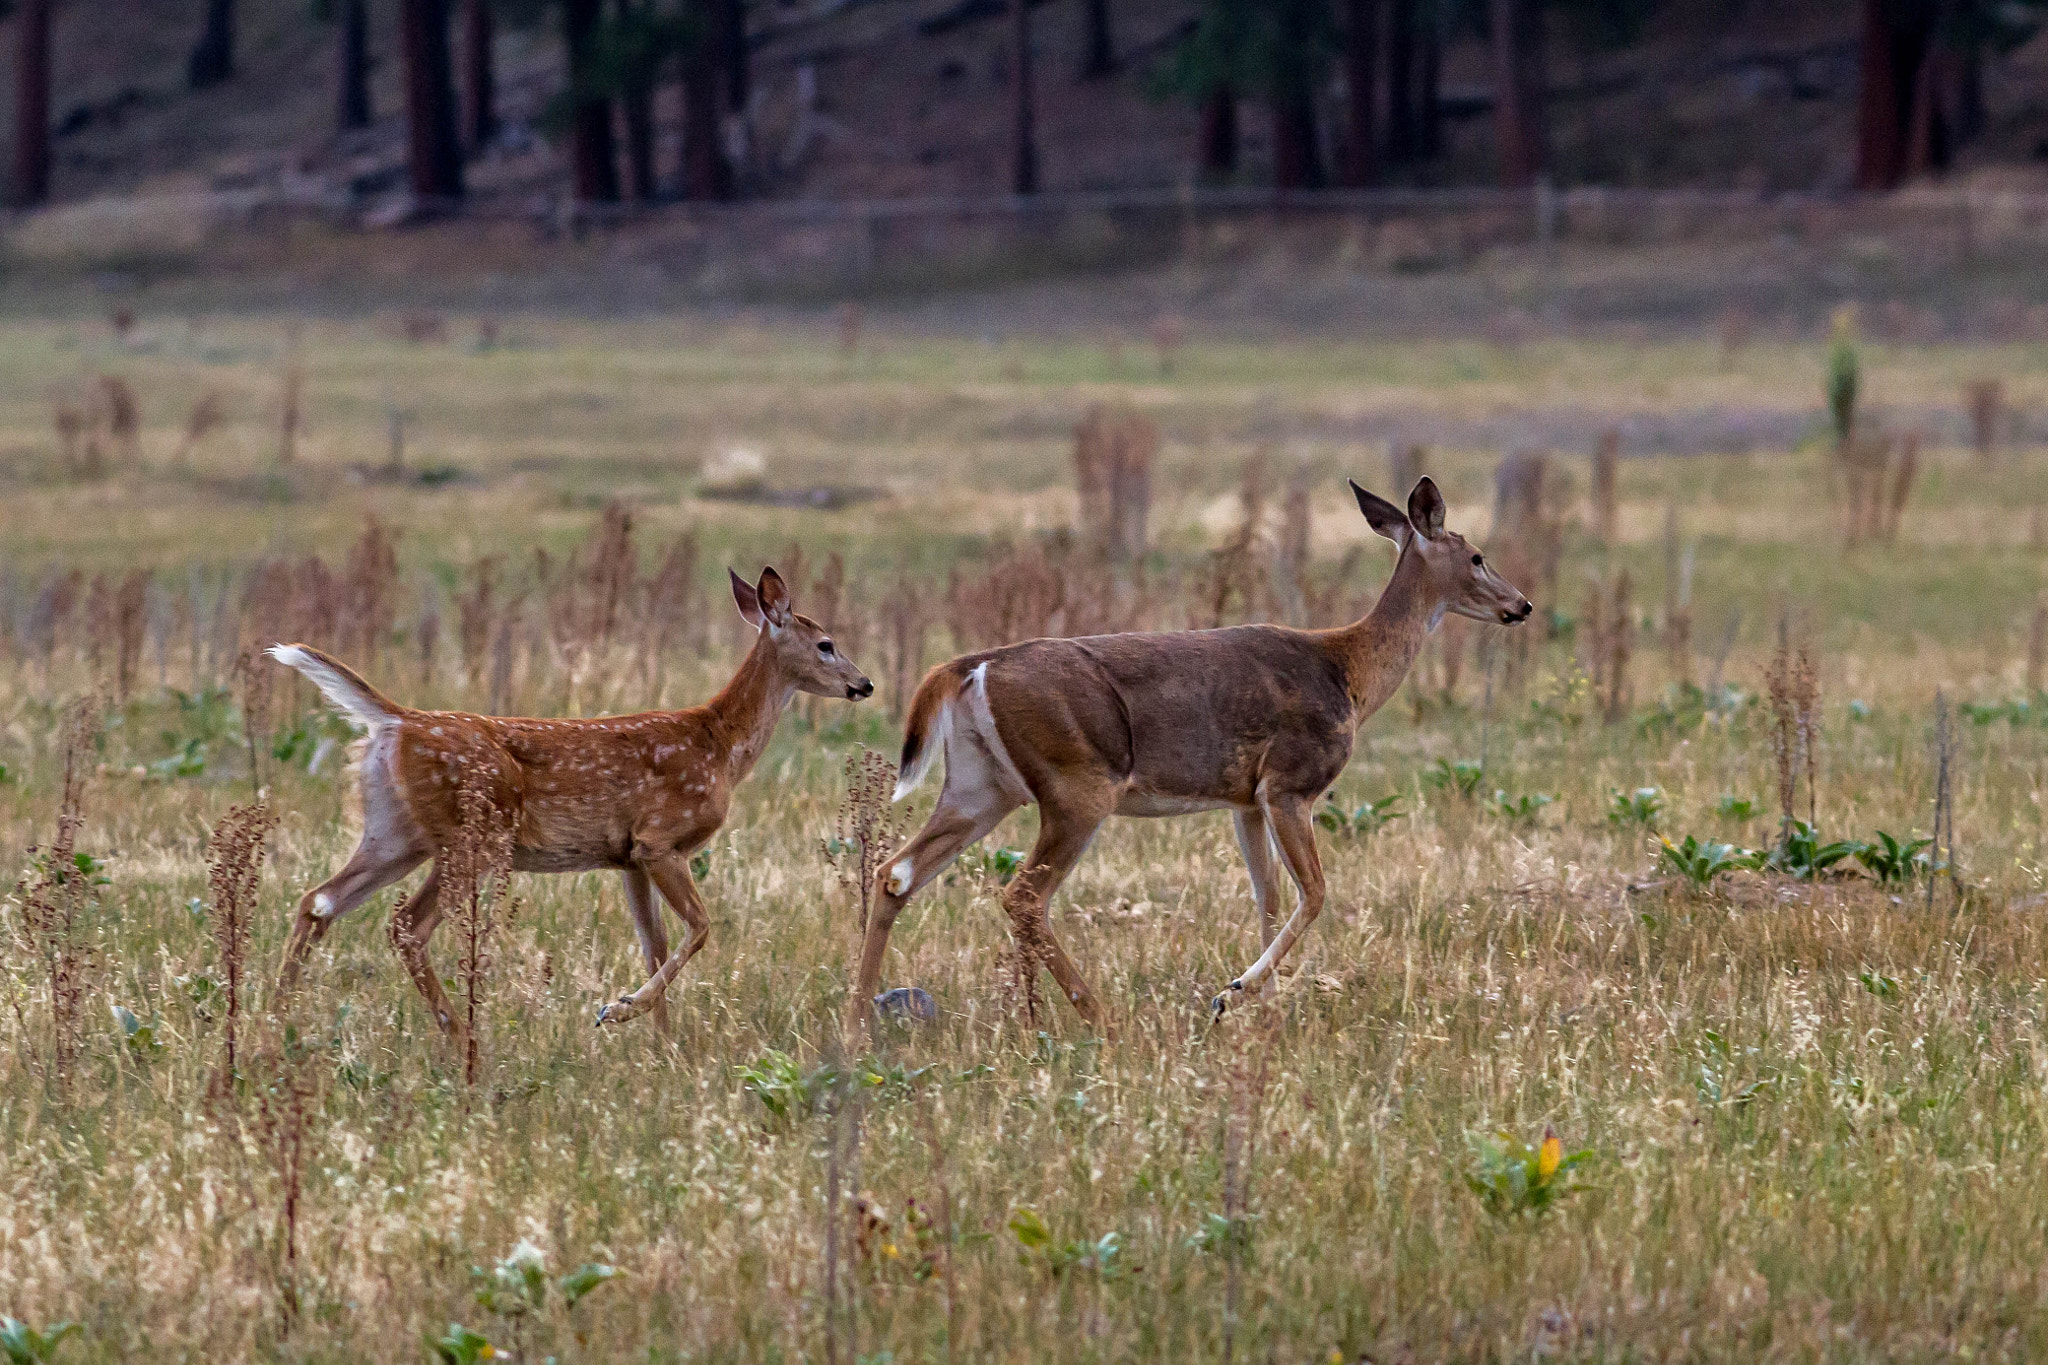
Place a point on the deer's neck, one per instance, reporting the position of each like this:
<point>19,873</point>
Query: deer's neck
<point>745,713</point>
<point>1378,649</point>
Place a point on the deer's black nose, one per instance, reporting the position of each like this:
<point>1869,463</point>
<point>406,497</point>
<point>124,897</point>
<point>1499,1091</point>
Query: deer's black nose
<point>863,688</point>
<point>1520,613</point>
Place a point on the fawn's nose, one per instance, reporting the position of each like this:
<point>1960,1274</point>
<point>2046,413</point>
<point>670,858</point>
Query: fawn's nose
<point>1520,613</point>
<point>856,691</point>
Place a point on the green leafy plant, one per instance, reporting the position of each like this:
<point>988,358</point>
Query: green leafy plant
<point>1361,820</point>
<point>1220,1233</point>
<point>1516,1180</point>
<point>1894,861</point>
<point>1878,984</point>
<point>1700,862</point>
<point>1035,1242</point>
<point>24,1345</point>
<point>1801,853</point>
<point>1523,809</point>
<point>1843,374</point>
<point>783,1087</point>
<point>1717,1085</point>
<point>1737,808</point>
<point>700,864</point>
<point>1454,777</point>
<point>996,864</point>
<point>140,1037</point>
<point>189,761</point>
<point>1639,807</point>
<point>460,1346</point>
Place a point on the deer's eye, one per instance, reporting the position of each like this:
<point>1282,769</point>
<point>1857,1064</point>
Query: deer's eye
<point>825,648</point>
<point>1478,559</point>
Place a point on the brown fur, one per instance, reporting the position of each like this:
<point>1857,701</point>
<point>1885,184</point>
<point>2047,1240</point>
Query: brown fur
<point>1258,720</point>
<point>638,793</point>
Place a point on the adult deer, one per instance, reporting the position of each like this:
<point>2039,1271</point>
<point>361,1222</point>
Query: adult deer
<point>1258,720</point>
<point>639,793</point>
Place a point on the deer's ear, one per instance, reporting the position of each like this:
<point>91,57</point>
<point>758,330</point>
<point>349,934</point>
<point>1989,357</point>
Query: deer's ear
<point>1426,509</point>
<point>774,597</point>
<point>749,600</point>
<point>1380,514</point>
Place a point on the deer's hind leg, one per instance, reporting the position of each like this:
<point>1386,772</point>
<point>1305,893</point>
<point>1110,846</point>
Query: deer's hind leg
<point>973,802</point>
<point>653,936</point>
<point>411,927</point>
<point>1295,834</point>
<point>391,848</point>
<point>1064,832</point>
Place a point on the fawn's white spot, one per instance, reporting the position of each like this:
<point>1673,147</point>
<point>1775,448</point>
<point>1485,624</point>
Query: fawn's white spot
<point>899,877</point>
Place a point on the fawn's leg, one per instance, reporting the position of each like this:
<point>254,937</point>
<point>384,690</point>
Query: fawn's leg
<point>1063,835</point>
<point>1257,846</point>
<point>391,847</point>
<point>370,869</point>
<point>414,923</point>
<point>671,877</point>
<point>1295,832</point>
<point>653,935</point>
<point>966,812</point>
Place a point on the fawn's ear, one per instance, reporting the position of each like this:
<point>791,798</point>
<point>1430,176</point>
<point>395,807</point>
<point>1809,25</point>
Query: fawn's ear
<point>749,600</point>
<point>774,598</point>
<point>1380,514</point>
<point>1426,509</point>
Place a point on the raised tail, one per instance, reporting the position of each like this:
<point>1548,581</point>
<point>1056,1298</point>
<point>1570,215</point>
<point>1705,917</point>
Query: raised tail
<point>924,730</point>
<point>345,689</point>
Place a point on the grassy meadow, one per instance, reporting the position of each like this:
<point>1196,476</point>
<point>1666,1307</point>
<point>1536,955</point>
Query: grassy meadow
<point>1813,1102</point>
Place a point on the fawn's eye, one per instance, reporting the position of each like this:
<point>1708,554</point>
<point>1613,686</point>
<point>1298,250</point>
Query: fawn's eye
<point>1478,559</point>
<point>825,648</point>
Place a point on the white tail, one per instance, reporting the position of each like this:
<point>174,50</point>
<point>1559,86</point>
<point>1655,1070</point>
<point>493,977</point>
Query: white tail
<point>345,691</point>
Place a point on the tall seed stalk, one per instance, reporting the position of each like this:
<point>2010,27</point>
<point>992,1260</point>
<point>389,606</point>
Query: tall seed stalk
<point>234,871</point>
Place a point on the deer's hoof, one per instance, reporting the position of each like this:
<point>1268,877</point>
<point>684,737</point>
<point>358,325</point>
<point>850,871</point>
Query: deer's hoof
<point>618,1012</point>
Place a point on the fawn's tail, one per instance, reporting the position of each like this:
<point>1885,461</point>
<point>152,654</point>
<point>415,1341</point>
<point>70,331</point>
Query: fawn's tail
<point>345,689</point>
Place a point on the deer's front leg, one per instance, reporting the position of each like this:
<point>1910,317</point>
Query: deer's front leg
<point>671,877</point>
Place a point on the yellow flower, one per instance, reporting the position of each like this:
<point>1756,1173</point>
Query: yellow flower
<point>1549,1154</point>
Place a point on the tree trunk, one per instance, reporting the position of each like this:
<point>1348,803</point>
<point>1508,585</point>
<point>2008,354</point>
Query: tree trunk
<point>739,84</point>
<point>593,161</point>
<point>352,66</point>
<point>434,151</point>
<point>1297,161</point>
<point>1361,69</point>
<point>1929,142</point>
<point>1023,128</point>
<point>637,103</point>
<point>1219,135</point>
<point>1518,90</point>
<point>479,75</point>
<point>213,56</point>
<point>705,172</point>
<point>1401,82</point>
<point>1898,128</point>
<point>32,103</point>
<point>1429,72</point>
<point>1100,58</point>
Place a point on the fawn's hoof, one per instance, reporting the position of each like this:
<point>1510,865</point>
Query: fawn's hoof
<point>618,1012</point>
<point>1222,1002</point>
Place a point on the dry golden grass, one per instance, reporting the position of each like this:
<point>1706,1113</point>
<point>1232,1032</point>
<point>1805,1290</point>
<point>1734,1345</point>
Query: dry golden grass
<point>1814,1107</point>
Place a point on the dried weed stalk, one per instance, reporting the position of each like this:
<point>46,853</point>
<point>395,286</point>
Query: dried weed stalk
<point>868,829</point>
<point>58,895</point>
<point>234,873</point>
<point>476,880</point>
